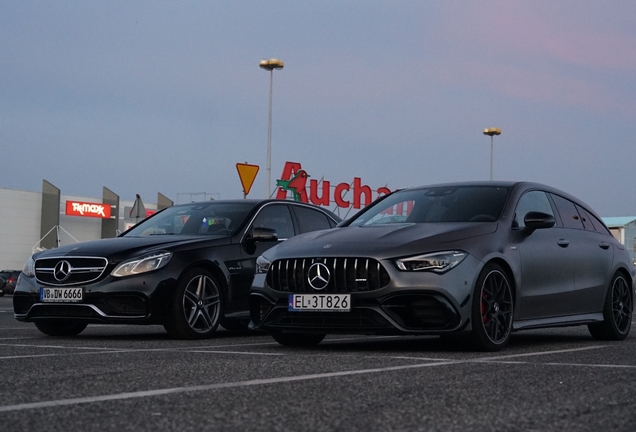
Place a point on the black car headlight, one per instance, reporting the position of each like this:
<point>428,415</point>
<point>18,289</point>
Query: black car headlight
<point>144,264</point>
<point>262,264</point>
<point>29,267</point>
<point>438,262</point>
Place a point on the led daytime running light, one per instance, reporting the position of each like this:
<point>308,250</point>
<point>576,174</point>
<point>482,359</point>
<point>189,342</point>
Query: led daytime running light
<point>142,265</point>
<point>439,262</point>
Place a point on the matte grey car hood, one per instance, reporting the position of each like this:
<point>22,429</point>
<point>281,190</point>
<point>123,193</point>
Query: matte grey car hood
<point>381,241</point>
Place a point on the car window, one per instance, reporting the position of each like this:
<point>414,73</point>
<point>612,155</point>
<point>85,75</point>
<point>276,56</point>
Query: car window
<point>531,201</point>
<point>437,204</point>
<point>195,219</point>
<point>310,219</point>
<point>590,222</point>
<point>567,210</point>
<point>276,217</point>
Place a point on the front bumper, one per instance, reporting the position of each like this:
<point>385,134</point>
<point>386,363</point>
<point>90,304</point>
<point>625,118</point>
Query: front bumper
<point>412,303</point>
<point>136,300</point>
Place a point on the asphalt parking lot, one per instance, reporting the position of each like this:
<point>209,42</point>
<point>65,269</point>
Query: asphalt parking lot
<point>136,378</point>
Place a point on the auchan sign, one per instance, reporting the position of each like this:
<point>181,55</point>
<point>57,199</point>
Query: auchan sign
<point>294,179</point>
<point>96,210</point>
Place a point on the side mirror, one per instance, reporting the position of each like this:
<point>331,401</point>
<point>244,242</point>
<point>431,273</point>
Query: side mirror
<point>538,220</point>
<point>263,235</point>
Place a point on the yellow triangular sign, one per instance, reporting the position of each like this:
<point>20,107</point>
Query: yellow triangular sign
<point>247,174</point>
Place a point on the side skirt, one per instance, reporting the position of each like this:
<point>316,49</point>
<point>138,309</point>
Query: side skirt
<point>563,321</point>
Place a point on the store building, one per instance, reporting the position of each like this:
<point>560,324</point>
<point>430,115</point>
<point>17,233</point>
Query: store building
<point>33,221</point>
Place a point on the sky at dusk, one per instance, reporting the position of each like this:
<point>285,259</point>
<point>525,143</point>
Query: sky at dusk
<point>167,96</point>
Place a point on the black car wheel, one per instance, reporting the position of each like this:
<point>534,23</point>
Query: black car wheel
<point>60,328</point>
<point>298,339</point>
<point>492,311</point>
<point>197,306</point>
<point>617,311</point>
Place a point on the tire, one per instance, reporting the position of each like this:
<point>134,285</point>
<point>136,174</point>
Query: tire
<point>298,339</point>
<point>617,312</point>
<point>197,306</point>
<point>492,310</point>
<point>60,328</point>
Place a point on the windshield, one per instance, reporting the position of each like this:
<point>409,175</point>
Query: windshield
<point>203,219</point>
<point>438,204</point>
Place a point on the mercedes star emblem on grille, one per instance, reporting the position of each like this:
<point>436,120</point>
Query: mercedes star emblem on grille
<point>318,276</point>
<point>62,271</point>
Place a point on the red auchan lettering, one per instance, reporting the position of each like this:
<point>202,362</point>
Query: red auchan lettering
<point>75,208</point>
<point>294,179</point>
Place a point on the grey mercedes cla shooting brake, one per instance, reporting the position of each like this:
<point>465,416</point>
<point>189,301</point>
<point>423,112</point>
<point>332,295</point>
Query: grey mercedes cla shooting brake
<point>477,260</point>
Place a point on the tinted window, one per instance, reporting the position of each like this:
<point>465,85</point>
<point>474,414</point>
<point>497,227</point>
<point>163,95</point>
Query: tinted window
<point>276,217</point>
<point>567,210</point>
<point>310,219</point>
<point>438,204</point>
<point>531,201</point>
<point>590,222</point>
<point>194,219</point>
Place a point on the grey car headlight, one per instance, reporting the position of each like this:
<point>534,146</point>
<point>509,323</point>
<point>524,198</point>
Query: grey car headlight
<point>144,264</point>
<point>262,264</point>
<point>29,267</point>
<point>438,262</point>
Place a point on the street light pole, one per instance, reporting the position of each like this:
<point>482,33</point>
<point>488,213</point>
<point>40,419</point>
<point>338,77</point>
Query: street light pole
<point>491,132</point>
<point>270,65</point>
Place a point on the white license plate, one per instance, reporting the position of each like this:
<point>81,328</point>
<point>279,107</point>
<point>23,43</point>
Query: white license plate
<point>61,295</point>
<point>319,302</point>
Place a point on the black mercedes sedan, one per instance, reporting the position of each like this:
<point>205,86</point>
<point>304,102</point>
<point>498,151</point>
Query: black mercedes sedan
<point>473,260</point>
<point>188,267</point>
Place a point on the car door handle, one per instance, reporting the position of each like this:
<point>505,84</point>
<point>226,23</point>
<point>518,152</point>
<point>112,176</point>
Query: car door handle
<point>563,242</point>
<point>604,245</point>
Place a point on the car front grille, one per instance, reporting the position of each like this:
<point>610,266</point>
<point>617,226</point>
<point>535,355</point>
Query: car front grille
<point>64,271</point>
<point>338,275</point>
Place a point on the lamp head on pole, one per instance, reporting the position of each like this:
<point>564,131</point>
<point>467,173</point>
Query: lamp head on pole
<point>490,131</point>
<point>271,64</point>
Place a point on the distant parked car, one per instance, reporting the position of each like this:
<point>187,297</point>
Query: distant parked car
<point>476,260</point>
<point>188,267</point>
<point>11,278</point>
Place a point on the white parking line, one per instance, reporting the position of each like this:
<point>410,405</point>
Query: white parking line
<point>606,366</point>
<point>235,352</point>
<point>258,382</point>
<point>97,350</point>
<point>540,353</point>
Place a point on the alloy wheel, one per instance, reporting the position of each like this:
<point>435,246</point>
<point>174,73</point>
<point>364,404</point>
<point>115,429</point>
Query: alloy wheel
<point>621,304</point>
<point>496,307</point>
<point>201,303</point>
